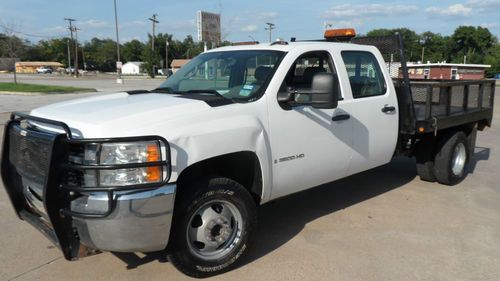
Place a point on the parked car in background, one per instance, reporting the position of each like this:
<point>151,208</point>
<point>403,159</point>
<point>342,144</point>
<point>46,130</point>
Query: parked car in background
<point>44,70</point>
<point>162,71</point>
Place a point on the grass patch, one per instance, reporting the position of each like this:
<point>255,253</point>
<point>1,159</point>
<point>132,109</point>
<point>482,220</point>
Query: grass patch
<point>33,88</point>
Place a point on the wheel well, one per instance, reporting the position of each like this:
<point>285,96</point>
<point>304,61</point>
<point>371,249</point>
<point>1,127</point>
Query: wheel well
<point>242,167</point>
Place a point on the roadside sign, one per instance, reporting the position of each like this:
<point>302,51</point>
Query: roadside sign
<point>119,65</point>
<point>209,27</point>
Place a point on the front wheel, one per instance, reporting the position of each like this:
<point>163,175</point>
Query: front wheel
<point>213,224</point>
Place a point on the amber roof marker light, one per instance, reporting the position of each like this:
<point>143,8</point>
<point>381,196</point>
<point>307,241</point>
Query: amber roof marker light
<point>340,35</point>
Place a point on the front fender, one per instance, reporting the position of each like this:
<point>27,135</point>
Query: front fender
<point>208,139</point>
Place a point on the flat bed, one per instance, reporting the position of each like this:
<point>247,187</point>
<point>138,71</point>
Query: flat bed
<point>429,106</point>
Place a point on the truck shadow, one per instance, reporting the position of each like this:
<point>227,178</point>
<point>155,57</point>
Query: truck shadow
<point>133,260</point>
<point>283,219</point>
<point>480,154</point>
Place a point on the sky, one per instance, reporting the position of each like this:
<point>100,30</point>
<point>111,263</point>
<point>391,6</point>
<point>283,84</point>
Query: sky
<point>242,20</point>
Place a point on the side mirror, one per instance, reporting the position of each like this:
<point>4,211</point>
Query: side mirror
<point>324,93</point>
<point>285,94</point>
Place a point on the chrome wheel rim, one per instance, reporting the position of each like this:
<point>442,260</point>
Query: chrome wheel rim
<point>458,159</point>
<point>214,230</point>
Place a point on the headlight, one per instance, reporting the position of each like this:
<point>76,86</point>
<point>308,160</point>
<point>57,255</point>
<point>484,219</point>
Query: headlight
<point>124,163</point>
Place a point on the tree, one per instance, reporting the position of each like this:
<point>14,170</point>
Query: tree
<point>380,32</point>
<point>132,50</point>
<point>192,49</point>
<point>3,52</point>
<point>436,47</point>
<point>53,50</point>
<point>101,54</point>
<point>150,59</point>
<point>410,40</point>
<point>493,59</point>
<point>160,47</point>
<point>33,53</point>
<point>12,45</point>
<point>472,42</point>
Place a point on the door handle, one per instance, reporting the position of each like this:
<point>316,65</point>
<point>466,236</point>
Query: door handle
<point>388,109</point>
<point>341,117</point>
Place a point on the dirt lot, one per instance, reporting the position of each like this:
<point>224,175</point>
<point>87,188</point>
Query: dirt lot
<point>384,224</point>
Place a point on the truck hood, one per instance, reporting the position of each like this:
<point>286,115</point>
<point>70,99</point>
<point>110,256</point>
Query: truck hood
<point>101,114</point>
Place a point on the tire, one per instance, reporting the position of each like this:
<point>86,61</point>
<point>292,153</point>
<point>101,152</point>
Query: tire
<point>425,171</point>
<point>425,160</point>
<point>451,160</point>
<point>217,212</point>
<point>471,139</point>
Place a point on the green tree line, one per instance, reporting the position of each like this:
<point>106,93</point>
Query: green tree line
<point>100,54</point>
<point>477,44</point>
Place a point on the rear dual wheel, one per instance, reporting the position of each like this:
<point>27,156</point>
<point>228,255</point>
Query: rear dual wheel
<point>450,162</point>
<point>447,165</point>
<point>425,159</point>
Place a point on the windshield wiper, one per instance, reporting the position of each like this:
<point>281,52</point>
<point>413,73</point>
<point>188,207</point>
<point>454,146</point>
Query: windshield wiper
<point>210,92</point>
<point>167,90</point>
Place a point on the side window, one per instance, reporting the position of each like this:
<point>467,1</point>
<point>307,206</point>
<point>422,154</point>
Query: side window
<point>301,73</point>
<point>364,73</point>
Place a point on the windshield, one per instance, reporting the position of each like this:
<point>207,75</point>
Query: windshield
<point>236,75</point>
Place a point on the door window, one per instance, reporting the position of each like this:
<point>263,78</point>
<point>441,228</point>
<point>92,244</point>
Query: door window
<point>300,75</point>
<point>365,75</point>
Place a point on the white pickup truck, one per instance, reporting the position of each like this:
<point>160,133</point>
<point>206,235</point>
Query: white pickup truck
<point>183,167</point>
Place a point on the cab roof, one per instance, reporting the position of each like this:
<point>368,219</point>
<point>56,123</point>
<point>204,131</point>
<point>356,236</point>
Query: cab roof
<point>283,47</point>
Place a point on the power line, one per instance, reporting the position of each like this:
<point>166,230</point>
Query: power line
<point>29,34</point>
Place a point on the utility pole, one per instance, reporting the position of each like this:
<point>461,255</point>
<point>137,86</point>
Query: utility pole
<point>166,57</point>
<point>75,29</point>
<point>69,58</point>
<point>270,27</point>
<point>118,69</point>
<point>154,22</point>
<point>70,22</point>
<point>83,58</point>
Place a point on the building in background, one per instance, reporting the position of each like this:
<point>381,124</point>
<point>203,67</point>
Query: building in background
<point>447,71</point>
<point>6,64</point>
<point>132,68</point>
<point>178,63</point>
<point>31,66</point>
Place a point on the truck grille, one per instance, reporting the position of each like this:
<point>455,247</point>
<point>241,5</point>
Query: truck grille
<point>30,154</point>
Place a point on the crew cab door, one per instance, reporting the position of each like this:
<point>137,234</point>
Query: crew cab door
<point>308,147</point>
<point>374,108</point>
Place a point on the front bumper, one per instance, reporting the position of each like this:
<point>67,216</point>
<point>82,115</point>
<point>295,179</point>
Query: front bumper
<point>77,219</point>
<point>140,221</point>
